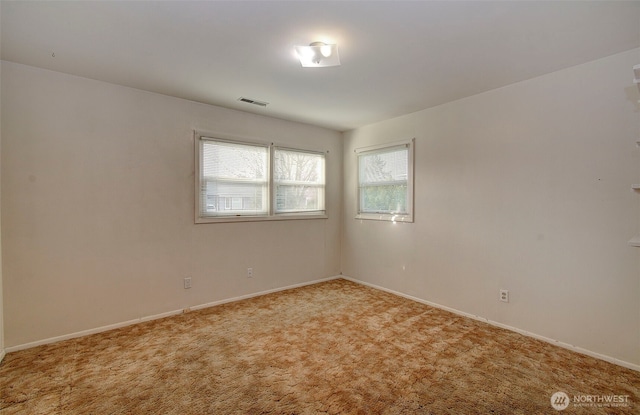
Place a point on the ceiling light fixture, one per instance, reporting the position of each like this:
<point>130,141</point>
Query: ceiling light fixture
<point>318,54</point>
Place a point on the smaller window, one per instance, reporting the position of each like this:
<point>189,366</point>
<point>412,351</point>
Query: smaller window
<point>385,182</point>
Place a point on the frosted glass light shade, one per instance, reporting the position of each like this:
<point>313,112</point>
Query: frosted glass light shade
<point>318,55</point>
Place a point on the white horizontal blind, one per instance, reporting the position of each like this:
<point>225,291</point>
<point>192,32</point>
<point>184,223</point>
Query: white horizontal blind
<point>383,181</point>
<point>233,179</point>
<point>299,181</point>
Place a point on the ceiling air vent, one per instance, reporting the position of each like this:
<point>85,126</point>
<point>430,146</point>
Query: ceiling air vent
<point>253,101</point>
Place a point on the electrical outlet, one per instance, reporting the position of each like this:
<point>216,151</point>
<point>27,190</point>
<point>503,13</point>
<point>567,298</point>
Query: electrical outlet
<point>187,283</point>
<point>504,296</point>
<point>249,272</point>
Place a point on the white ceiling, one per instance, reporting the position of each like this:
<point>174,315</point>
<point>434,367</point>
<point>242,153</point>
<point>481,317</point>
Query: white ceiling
<point>397,57</point>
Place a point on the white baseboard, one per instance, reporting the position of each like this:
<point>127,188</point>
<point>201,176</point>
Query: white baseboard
<point>2,355</point>
<point>568,346</point>
<point>155,317</point>
<point>275,290</point>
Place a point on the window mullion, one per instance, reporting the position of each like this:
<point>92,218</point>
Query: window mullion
<point>271,193</point>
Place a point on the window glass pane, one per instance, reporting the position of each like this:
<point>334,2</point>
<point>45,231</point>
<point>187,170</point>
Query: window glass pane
<point>384,166</point>
<point>233,179</point>
<point>384,199</point>
<point>382,179</point>
<point>222,160</point>
<point>299,181</point>
<point>299,198</point>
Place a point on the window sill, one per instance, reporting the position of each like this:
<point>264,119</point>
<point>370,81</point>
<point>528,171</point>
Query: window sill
<point>229,219</point>
<point>385,217</point>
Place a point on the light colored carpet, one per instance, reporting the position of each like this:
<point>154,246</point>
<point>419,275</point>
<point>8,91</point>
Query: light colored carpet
<point>331,348</point>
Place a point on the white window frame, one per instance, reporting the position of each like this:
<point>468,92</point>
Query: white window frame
<point>322,185</point>
<point>271,214</point>
<point>233,202</point>
<point>388,216</point>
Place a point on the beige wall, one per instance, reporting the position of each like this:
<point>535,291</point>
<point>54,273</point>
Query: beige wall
<point>525,188</point>
<point>1,295</point>
<point>97,207</point>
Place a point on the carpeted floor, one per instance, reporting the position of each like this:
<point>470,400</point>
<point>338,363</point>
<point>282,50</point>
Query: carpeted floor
<point>331,348</point>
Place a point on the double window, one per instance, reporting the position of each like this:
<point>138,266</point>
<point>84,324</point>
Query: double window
<point>385,182</point>
<point>252,181</point>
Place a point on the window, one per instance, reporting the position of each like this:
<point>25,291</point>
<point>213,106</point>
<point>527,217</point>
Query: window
<point>298,181</point>
<point>239,181</point>
<point>233,178</point>
<point>385,182</point>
